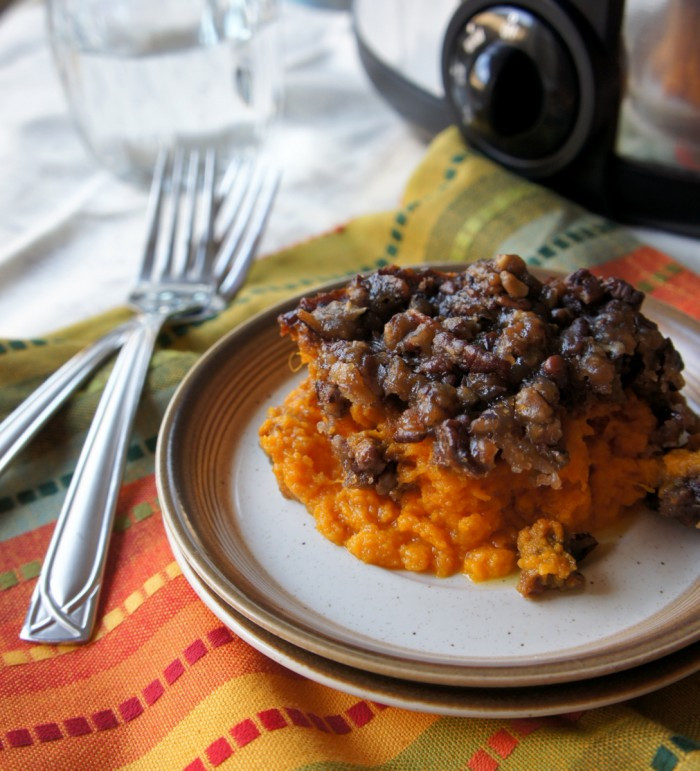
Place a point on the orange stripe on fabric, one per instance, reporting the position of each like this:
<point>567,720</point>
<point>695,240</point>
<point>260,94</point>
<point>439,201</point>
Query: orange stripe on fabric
<point>659,276</point>
<point>111,618</point>
<point>93,672</point>
<point>90,732</point>
<point>155,688</point>
<point>682,291</point>
<point>293,723</point>
<point>133,555</point>
<point>503,742</point>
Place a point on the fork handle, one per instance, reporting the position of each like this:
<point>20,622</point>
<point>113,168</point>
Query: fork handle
<point>64,603</point>
<point>22,424</point>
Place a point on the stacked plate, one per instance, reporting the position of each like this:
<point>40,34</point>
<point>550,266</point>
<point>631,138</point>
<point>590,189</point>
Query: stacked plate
<point>445,646</point>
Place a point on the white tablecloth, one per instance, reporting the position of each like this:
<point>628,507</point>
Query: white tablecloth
<point>71,235</point>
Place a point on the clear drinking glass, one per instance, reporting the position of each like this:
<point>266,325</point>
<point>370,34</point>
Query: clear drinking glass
<point>139,74</point>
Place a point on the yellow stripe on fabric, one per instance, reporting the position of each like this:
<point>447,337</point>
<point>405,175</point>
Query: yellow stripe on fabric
<point>244,708</point>
<point>610,737</point>
<point>673,707</point>
<point>110,621</point>
<point>615,737</point>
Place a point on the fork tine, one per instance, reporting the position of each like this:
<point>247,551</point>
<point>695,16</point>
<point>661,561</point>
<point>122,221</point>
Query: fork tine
<point>239,247</point>
<point>203,254</point>
<point>190,206</point>
<point>153,214</point>
<point>230,175</point>
<point>232,190</point>
<point>176,180</point>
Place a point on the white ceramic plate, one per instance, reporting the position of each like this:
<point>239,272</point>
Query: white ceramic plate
<point>261,555</point>
<point>442,699</point>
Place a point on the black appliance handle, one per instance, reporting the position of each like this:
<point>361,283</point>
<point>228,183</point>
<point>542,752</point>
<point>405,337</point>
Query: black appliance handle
<point>424,110</point>
<point>655,196</point>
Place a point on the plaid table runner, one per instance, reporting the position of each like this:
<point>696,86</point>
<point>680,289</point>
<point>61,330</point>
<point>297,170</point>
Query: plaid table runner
<point>163,684</point>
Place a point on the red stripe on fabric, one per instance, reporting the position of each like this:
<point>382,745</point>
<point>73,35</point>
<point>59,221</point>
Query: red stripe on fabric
<point>297,717</point>
<point>195,651</point>
<point>48,732</point>
<point>244,732</point>
<point>103,653</point>
<point>195,765</point>
<point>482,761</point>
<point>360,713</point>
<point>338,724</point>
<point>219,751</point>
<point>219,636</point>
<point>525,726</point>
<point>174,670</point>
<point>77,726</point>
<point>20,737</point>
<point>272,719</point>
<point>153,691</point>
<point>317,722</point>
<point>502,743</point>
<point>130,709</point>
<point>104,720</point>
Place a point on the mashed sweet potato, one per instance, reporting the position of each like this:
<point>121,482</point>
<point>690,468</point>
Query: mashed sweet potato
<point>482,422</point>
<point>444,520</point>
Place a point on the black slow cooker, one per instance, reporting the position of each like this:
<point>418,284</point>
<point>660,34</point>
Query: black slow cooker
<point>571,93</point>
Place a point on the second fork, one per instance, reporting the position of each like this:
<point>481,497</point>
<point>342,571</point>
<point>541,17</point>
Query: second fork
<point>245,197</point>
<point>177,277</point>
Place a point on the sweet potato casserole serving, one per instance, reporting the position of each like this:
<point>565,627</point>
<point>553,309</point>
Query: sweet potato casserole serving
<point>482,421</point>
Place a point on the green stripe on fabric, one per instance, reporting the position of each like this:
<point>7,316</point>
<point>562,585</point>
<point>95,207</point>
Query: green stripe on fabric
<point>39,506</point>
<point>685,744</point>
<point>20,345</point>
<point>142,511</point>
<point>8,579</point>
<point>396,234</point>
<point>664,760</point>
<point>28,571</point>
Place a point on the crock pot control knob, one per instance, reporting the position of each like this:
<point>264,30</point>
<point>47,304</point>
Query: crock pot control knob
<point>512,85</point>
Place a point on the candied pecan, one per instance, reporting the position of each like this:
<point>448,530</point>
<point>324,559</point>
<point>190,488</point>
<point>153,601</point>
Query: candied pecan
<point>338,319</point>
<point>545,561</point>
<point>487,359</point>
<point>513,285</point>
<point>621,290</point>
<point>467,356</point>
<point>554,367</point>
<point>681,500</point>
<point>362,458</point>
<point>583,287</point>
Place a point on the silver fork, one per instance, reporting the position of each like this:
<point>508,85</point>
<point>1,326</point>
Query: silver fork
<point>179,277</point>
<point>245,197</point>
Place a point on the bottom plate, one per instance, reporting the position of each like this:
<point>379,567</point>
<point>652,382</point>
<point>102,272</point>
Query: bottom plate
<point>447,700</point>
